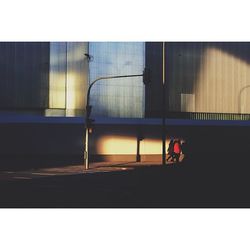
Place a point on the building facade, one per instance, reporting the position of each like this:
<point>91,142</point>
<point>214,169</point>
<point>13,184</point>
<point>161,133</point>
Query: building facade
<point>204,81</point>
<point>52,78</point>
<point>201,77</point>
<point>24,76</point>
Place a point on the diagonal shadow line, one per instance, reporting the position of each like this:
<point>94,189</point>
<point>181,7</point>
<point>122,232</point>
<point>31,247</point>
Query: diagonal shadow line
<point>117,165</point>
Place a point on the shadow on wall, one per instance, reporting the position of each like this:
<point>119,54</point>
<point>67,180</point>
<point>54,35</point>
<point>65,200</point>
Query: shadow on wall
<point>49,145</point>
<point>184,56</point>
<point>17,87</point>
<point>25,146</point>
<point>23,162</point>
<point>187,64</point>
<point>240,50</point>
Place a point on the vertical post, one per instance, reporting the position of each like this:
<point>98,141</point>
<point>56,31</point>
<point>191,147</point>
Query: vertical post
<point>86,142</point>
<point>86,152</point>
<point>163,107</point>
<point>87,116</point>
<point>66,77</point>
<point>138,140</point>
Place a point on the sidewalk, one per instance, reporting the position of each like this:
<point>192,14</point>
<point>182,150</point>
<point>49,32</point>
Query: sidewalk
<point>97,167</point>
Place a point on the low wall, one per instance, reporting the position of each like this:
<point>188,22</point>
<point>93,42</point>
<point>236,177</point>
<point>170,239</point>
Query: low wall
<point>119,142</point>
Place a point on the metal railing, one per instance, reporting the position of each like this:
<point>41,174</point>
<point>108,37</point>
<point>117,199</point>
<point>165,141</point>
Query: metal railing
<point>208,116</point>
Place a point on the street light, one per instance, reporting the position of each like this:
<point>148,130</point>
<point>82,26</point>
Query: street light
<point>89,121</point>
<point>163,107</point>
<point>89,57</point>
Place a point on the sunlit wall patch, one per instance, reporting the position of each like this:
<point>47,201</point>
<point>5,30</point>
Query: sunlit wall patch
<point>68,78</point>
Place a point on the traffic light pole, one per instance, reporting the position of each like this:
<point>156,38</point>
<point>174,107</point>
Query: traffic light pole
<point>163,107</point>
<point>88,112</point>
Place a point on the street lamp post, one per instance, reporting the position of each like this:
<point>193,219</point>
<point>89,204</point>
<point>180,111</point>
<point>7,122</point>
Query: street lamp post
<point>88,112</point>
<point>163,107</point>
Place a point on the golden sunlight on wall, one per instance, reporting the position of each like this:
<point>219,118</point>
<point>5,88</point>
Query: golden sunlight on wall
<point>57,76</point>
<point>151,146</point>
<point>68,76</point>
<point>127,145</point>
<point>57,91</point>
<point>114,144</point>
<point>77,77</point>
<point>223,84</point>
<point>209,77</point>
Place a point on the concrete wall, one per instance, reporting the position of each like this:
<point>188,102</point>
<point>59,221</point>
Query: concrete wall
<point>118,142</point>
<point>67,139</point>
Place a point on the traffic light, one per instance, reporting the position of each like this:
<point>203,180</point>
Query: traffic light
<point>146,76</point>
<point>90,124</point>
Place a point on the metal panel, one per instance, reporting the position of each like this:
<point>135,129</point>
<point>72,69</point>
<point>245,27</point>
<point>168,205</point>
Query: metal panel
<point>187,102</point>
<point>77,77</point>
<point>153,90</point>
<point>68,77</point>
<point>118,97</point>
<point>227,73</point>
<point>24,75</point>
<point>58,72</point>
<point>216,73</point>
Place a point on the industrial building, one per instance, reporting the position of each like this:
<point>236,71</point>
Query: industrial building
<point>52,78</point>
<point>43,87</point>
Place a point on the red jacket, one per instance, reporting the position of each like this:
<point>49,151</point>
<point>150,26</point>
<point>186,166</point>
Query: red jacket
<point>177,148</point>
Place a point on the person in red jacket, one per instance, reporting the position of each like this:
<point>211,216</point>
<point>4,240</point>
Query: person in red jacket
<point>171,150</point>
<point>177,150</point>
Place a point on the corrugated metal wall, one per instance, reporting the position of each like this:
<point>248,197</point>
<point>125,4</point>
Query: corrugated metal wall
<point>216,74</point>
<point>153,90</point>
<point>54,77</point>
<point>200,77</point>
<point>58,75</point>
<point>77,77</point>
<point>68,78</point>
<point>24,74</point>
<point>122,97</point>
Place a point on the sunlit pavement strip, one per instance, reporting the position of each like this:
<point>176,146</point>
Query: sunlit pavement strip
<point>47,174</point>
<point>100,167</point>
<point>20,177</point>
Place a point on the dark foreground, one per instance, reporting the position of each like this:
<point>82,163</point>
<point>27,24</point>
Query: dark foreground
<point>201,183</point>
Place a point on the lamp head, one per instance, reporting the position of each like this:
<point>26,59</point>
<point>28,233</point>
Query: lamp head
<point>89,57</point>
